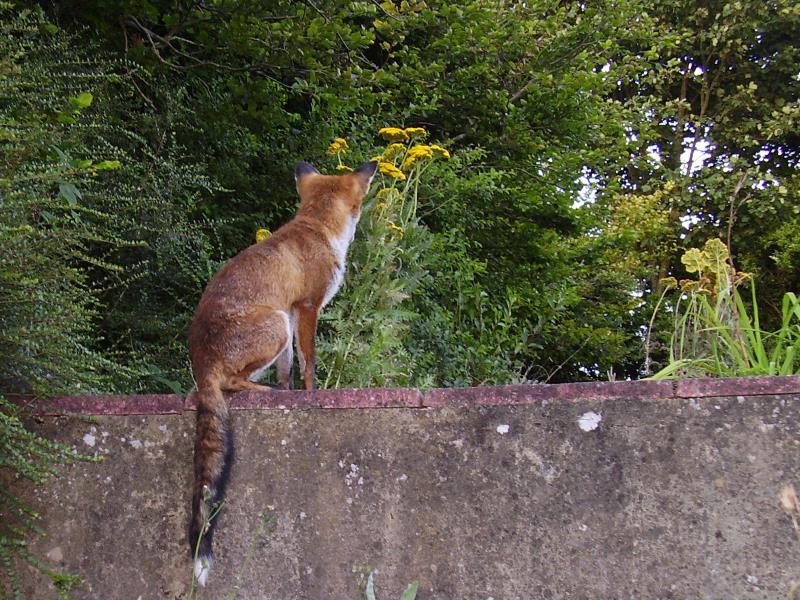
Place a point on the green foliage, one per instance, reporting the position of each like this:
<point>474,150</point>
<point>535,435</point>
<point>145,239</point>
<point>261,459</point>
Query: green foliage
<point>250,88</point>
<point>367,586</point>
<point>99,230</point>
<point>46,303</point>
<point>412,310</point>
<point>614,97</point>
<point>47,306</point>
<point>715,332</point>
<point>76,234</point>
<point>708,97</point>
<point>168,257</point>
<point>32,457</point>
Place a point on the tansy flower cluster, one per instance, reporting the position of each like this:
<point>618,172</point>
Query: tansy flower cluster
<point>389,169</point>
<point>409,156</point>
<point>422,152</point>
<point>262,234</point>
<point>392,151</point>
<point>439,151</point>
<point>338,145</point>
<point>414,154</point>
<point>395,134</point>
<point>413,132</point>
<point>398,156</point>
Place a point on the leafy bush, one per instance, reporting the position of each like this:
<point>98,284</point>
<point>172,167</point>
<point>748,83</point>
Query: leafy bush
<point>105,251</point>
<point>97,243</point>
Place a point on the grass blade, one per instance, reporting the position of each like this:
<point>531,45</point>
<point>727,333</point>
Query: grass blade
<point>411,591</point>
<point>370,591</point>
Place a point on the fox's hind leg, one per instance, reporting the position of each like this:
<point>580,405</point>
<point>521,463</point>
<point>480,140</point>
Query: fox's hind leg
<point>258,340</point>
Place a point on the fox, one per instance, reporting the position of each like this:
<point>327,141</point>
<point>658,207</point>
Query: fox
<point>254,306</point>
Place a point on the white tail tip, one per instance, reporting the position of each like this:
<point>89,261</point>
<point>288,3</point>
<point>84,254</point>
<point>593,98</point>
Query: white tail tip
<point>202,567</point>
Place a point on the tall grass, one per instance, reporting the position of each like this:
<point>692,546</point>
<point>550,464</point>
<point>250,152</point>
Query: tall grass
<point>716,333</point>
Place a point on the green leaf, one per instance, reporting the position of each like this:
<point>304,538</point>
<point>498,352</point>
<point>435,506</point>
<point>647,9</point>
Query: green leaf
<point>174,386</point>
<point>82,100</point>
<point>411,591</point>
<point>70,193</point>
<point>107,165</point>
<point>65,160</point>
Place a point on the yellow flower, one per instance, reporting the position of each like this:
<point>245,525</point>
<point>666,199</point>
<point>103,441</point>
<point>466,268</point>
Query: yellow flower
<point>343,168</point>
<point>400,231</point>
<point>385,191</point>
<point>392,150</point>
<point>337,145</point>
<point>416,153</point>
<point>689,285</point>
<point>262,234</point>
<point>390,170</point>
<point>669,282</point>
<point>393,134</point>
<point>440,152</point>
<point>377,158</point>
<point>415,131</point>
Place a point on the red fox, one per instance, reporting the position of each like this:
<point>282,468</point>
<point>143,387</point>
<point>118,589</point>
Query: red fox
<point>248,314</point>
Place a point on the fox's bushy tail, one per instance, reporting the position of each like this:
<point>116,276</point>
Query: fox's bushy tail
<point>213,454</point>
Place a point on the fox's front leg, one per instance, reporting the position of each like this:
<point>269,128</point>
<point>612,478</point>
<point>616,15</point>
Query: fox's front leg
<point>307,315</point>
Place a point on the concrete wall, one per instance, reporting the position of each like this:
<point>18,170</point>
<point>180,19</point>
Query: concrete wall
<point>620,490</point>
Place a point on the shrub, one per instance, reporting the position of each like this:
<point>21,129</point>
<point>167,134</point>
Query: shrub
<point>93,221</point>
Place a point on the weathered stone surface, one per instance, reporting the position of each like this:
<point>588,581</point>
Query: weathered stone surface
<point>112,405</point>
<point>737,386</point>
<point>660,498</point>
<point>528,394</point>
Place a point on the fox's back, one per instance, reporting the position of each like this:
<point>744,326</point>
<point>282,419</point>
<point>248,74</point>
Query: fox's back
<point>301,266</point>
<point>293,265</point>
<point>277,271</point>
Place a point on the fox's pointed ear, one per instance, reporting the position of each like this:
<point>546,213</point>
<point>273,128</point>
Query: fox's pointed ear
<point>365,173</point>
<point>302,169</point>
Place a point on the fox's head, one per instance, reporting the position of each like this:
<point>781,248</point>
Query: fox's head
<point>333,193</point>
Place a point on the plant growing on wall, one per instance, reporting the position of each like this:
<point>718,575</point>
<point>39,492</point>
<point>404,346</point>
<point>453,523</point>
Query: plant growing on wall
<point>362,344</point>
<point>716,332</point>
